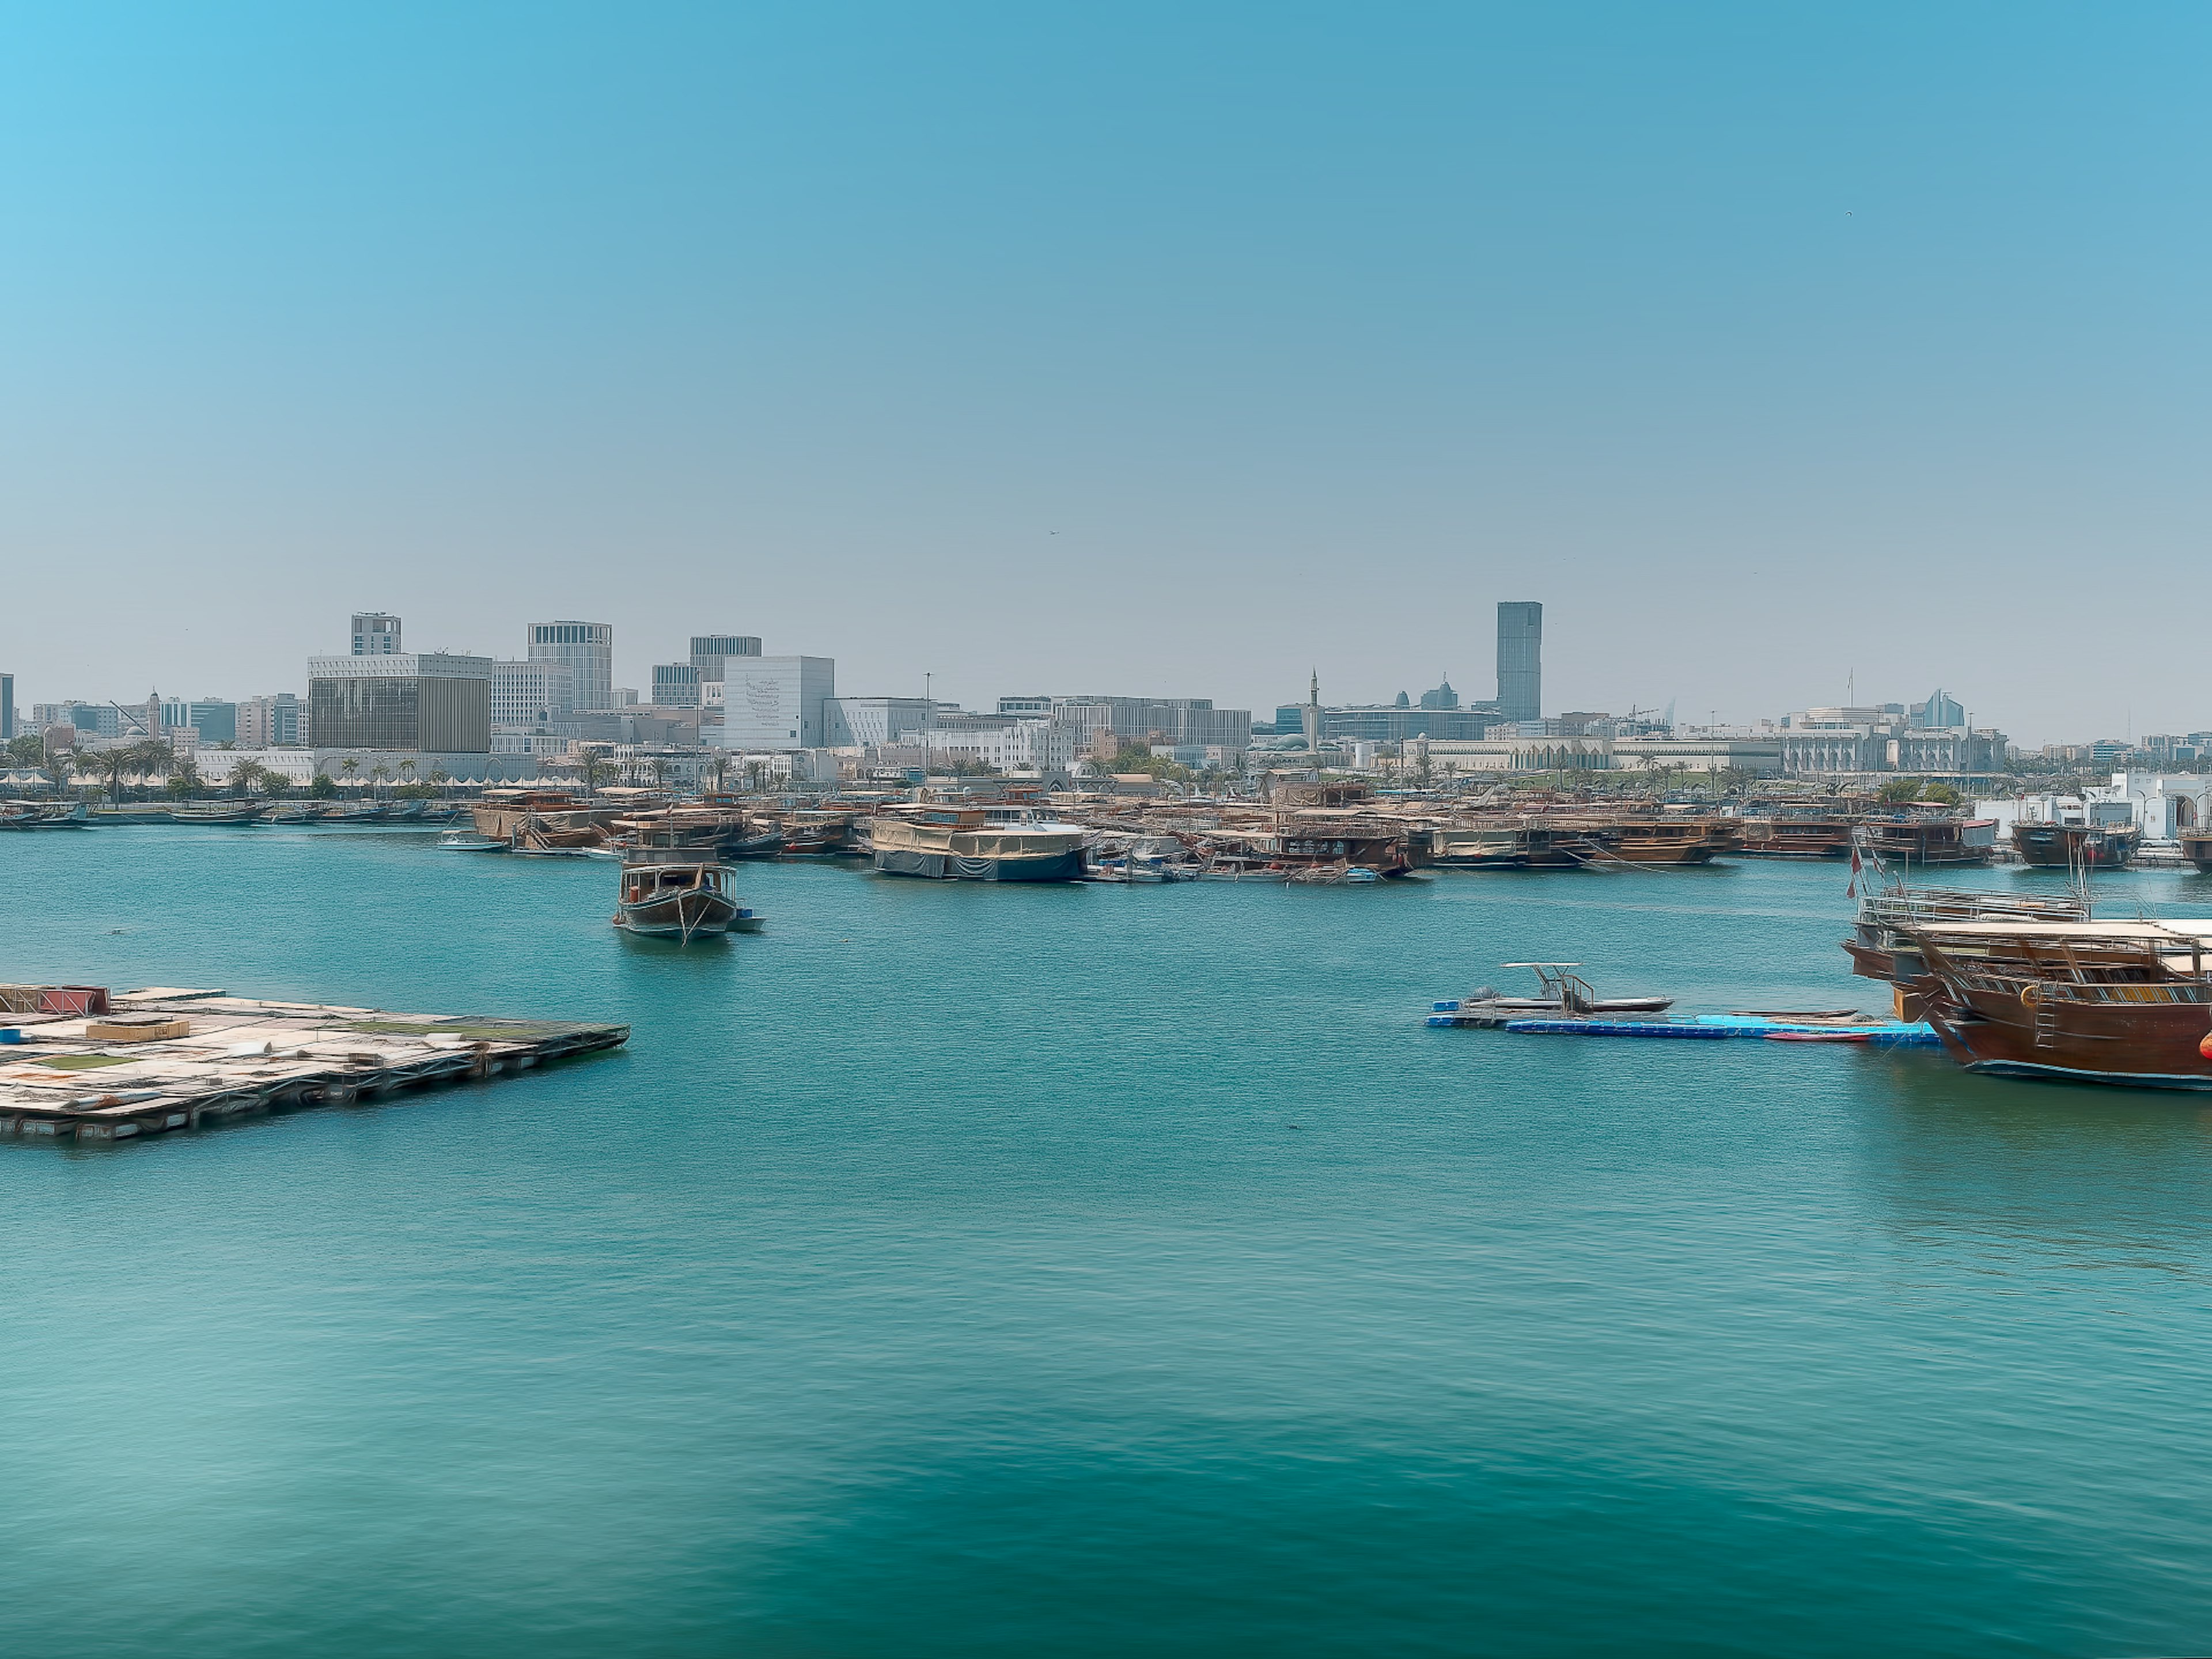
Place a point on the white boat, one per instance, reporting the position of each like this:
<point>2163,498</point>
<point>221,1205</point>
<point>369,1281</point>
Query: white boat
<point>468,841</point>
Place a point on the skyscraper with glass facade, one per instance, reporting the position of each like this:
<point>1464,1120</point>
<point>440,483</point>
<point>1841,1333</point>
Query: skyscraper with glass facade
<point>1521,661</point>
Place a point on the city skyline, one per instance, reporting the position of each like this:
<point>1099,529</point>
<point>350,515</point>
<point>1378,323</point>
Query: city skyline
<point>1783,353</point>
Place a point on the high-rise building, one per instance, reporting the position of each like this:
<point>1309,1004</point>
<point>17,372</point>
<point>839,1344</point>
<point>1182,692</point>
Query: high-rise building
<point>375,635</point>
<point>588,649</point>
<point>433,703</point>
<point>676,684</point>
<point>528,694</point>
<point>772,704</point>
<point>1521,661</point>
<point>7,707</point>
<point>212,718</point>
<point>710,651</point>
<point>272,722</point>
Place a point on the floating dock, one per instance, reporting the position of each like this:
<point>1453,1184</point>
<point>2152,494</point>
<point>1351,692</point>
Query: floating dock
<point>148,1062</point>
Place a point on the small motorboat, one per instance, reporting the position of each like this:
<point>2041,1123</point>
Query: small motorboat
<point>469,841</point>
<point>1565,995</point>
<point>680,895</point>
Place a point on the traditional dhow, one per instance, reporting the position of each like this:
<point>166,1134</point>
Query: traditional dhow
<point>2197,847</point>
<point>1884,945</point>
<point>1915,838</point>
<point>1786,833</point>
<point>679,895</point>
<point>43,815</point>
<point>219,812</point>
<point>961,843</point>
<point>2076,846</point>
<point>543,819</point>
<point>1660,841</point>
<point>2113,1002</point>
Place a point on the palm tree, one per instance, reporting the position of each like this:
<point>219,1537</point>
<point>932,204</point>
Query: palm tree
<point>184,776</point>
<point>438,778</point>
<point>156,758</point>
<point>754,771</point>
<point>94,762</point>
<point>720,768</point>
<point>244,774</point>
<point>660,764</point>
<point>348,766</point>
<point>406,772</point>
<point>379,775</point>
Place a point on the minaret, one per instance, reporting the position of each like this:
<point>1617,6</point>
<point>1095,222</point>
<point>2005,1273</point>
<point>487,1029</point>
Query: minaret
<point>1312,718</point>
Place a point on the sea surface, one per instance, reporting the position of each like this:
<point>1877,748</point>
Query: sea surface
<point>960,1269</point>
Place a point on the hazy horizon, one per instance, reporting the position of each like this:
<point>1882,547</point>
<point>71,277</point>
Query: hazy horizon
<point>1153,352</point>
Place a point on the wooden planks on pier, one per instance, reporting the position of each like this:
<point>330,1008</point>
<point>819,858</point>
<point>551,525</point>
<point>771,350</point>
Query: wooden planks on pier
<point>239,1057</point>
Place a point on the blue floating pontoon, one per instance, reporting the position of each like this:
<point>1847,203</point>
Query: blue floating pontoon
<point>1620,1028</point>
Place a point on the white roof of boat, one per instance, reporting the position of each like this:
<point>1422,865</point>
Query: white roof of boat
<point>2177,928</point>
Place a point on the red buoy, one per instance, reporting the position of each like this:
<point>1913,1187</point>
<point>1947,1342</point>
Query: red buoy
<point>2205,1047</point>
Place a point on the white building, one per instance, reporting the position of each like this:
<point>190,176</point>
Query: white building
<point>872,722</point>
<point>1041,746</point>
<point>2161,804</point>
<point>532,692</point>
<point>375,635</point>
<point>771,704</point>
<point>588,649</point>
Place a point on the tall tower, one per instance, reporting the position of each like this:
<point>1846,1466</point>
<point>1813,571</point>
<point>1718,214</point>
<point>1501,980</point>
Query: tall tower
<point>375,635</point>
<point>1521,661</point>
<point>588,649</point>
<point>1311,716</point>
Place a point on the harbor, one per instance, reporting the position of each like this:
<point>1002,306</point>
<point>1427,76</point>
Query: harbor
<point>947,1139</point>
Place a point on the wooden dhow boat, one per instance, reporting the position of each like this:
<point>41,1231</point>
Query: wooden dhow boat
<point>1788,833</point>
<point>2197,847</point>
<point>219,812</point>
<point>1660,841</point>
<point>1920,838</point>
<point>1883,944</point>
<point>2076,846</point>
<point>679,895</point>
<point>960,843</point>
<point>43,815</point>
<point>2113,1002</point>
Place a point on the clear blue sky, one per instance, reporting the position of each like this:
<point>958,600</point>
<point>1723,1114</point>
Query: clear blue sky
<point>1132,348</point>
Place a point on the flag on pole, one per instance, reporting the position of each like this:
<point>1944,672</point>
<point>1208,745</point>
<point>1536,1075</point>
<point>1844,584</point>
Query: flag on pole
<point>1852,891</point>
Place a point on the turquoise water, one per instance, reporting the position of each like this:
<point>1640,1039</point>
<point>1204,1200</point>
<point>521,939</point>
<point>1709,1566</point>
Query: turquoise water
<point>958,1269</point>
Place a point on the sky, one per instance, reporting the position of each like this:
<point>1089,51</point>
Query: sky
<point>1147,350</point>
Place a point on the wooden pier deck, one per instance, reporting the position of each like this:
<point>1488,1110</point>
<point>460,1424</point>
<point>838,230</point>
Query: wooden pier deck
<point>166,1057</point>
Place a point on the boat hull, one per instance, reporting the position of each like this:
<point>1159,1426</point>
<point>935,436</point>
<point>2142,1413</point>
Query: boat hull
<point>685,916</point>
<point>2065,847</point>
<point>956,867</point>
<point>2121,1049</point>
